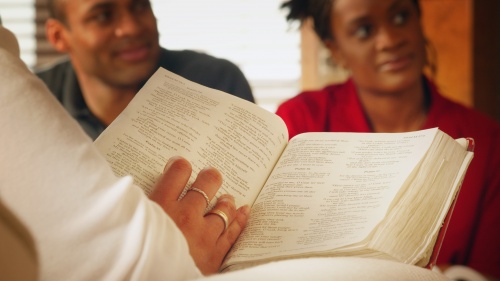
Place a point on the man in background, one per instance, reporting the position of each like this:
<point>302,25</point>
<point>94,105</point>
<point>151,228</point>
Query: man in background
<point>113,48</point>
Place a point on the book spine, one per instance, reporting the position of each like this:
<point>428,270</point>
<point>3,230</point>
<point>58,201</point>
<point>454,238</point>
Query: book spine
<point>470,144</point>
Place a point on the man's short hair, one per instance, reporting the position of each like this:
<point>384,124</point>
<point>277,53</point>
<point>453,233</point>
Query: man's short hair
<point>56,10</point>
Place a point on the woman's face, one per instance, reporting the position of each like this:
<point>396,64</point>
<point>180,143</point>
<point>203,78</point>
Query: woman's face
<point>380,41</point>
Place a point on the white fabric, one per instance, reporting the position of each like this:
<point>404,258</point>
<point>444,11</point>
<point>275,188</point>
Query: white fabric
<point>86,223</point>
<point>461,272</point>
<point>9,42</point>
<point>327,269</point>
<point>18,259</point>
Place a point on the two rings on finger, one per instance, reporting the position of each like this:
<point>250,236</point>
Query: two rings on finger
<point>200,192</point>
<point>219,213</point>
<point>222,215</point>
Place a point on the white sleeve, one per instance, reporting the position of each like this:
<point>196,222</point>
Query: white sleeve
<point>334,268</point>
<point>86,223</point>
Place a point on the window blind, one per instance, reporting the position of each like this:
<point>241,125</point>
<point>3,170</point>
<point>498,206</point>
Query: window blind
<point>253,34</point>
<point>18,16</point>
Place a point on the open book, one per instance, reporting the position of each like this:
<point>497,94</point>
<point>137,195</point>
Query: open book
<point>319,194</point>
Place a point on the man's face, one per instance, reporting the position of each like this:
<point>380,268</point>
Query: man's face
<point>114,41</point>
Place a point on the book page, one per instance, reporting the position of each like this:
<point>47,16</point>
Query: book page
<point>425,203</point>
<point>327,191</point>
<point>173,116</point>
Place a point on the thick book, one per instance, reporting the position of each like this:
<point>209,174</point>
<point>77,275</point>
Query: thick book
<point>377,195</point>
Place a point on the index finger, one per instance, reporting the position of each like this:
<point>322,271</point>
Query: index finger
<point>170,185</point>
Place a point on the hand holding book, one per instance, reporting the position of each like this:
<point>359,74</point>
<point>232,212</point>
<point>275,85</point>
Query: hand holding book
<point>321,194</point>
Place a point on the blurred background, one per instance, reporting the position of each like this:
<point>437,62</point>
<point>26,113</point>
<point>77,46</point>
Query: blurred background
<point>280,60</point>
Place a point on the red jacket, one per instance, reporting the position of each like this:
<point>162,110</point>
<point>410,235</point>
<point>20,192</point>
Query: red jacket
<point>473,236</point>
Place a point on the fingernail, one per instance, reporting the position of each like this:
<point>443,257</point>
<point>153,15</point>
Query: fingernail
<point>226,198</point>
<point>245,210</point>
<point>169,163</point>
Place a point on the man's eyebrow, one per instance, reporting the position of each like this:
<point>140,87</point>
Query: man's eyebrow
<point>101,6</point>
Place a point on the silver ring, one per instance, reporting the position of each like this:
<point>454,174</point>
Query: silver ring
<point>202,193</point>
<point>222,215</point>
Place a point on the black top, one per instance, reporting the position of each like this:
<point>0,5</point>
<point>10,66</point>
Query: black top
<point>209,71</point>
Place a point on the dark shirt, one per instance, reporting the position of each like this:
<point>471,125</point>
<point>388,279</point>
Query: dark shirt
<point>209,71</point>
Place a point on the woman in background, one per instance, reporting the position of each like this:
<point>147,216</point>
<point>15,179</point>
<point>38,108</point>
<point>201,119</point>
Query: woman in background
<point>381,43</point>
